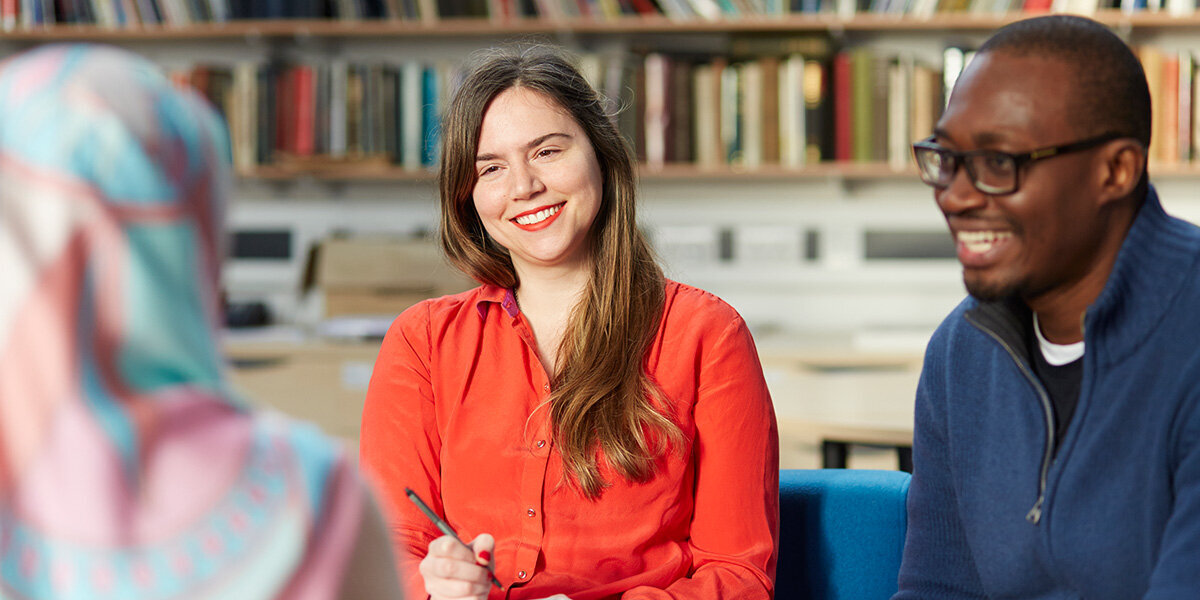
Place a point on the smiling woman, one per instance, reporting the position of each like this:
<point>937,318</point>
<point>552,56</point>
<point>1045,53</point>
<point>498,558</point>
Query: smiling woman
<point>599,431</point>
<point>536,169</point>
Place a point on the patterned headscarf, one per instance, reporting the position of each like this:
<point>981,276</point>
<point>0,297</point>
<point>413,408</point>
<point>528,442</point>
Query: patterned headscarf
<point>128,469</point>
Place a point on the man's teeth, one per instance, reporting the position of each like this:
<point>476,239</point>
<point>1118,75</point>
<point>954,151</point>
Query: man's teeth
<point>539,216</point>
<point>981,241</point>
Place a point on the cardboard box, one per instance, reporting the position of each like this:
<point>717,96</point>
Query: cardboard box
<point>380,275</point>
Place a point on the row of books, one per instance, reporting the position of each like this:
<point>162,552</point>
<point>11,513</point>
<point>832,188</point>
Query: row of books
<point>787,110</point>
<point>27,14</point>
<point>790,111</point>
<point>1175,104</point>
<point>335,112</point>
<point>133,13</point>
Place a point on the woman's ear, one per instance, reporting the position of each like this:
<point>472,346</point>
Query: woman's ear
<point>1124,163</point>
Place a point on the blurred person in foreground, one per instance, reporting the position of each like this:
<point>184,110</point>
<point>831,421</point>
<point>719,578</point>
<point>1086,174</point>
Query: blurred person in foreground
<point>128,468</point>
<point>1057,437</point>
<point>592,429</point>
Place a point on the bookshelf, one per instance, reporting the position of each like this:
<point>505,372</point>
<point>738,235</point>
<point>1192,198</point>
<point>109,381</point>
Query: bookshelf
<point>840,245</point>
<point>477,26</point>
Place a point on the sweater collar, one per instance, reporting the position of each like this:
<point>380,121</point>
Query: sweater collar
<point>1155,260</point>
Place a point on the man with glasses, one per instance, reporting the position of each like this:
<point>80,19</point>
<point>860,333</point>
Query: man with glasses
<point>1057,433</point>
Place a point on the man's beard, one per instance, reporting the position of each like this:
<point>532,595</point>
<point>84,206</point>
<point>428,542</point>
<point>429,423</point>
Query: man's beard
<point>985,291</point>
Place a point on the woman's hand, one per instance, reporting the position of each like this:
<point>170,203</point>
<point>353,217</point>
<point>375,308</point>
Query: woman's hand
<point>455,572</point>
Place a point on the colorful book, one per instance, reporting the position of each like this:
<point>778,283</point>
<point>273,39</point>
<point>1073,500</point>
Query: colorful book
<point>792,140</point>
<point>1168,122</point>
<point>751,114</point>
<point>303,120</point>
<point>706,126</point>
<point>899,96</point>
<point>657,74</point>
<point>819,126</point>
<point>411,115</point>
<point>731,120</point>
<point>430,127</point>
<point>843,107</point>
<point>680,114</point>
<point>1186,73</point>
<point>770,109</point>
<point>862,89</point>
<point>926,101</point>
<point>1152,64</point>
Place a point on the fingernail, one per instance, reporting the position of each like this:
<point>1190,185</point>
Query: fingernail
<point>485,556</point>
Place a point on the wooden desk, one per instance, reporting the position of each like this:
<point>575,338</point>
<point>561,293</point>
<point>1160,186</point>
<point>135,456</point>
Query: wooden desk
<point>839,401</point>
<point>834,399</point>
<point>317,381</point>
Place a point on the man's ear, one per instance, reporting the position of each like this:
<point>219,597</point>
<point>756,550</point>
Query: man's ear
<point>1124,162</point>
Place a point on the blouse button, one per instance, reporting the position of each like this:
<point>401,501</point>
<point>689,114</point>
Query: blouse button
<point>546,386</point>
<point>530,512</point>
<point>541,443</point>
<point>520,574</point>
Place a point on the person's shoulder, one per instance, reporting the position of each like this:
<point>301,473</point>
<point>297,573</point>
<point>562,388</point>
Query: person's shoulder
<point>435,311</point>
<point>952,325</point>
<point>697,303</point>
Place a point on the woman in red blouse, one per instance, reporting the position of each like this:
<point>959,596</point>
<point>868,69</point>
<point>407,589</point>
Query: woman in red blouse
<point>595,430</point>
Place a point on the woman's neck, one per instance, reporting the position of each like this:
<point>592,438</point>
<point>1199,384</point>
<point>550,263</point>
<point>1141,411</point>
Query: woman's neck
<point>546,298</point>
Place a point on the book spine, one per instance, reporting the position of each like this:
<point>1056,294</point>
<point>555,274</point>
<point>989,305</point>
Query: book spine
<point>1168,128</point>
<point>843,108</point>
<point>792,139</point>
<point>1186,72</point>
<point>731,126</point>
<point>705,109</point>
<point>862,100</point>
<point>1152,64</point>
<point>430,128</point>
<point>657,68</point>
<point>680,115</point>
<point>818,112</point>
<point>751,109</point>
<point>769,67</point>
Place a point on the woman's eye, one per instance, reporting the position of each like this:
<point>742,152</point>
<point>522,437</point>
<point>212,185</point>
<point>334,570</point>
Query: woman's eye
<point>489,169</point>
<point>547,152</point>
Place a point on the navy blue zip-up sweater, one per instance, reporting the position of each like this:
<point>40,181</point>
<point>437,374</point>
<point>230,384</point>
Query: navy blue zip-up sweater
<point>994,512</point>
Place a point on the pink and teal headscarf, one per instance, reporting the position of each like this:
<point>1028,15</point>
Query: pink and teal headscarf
<point>128,469</point>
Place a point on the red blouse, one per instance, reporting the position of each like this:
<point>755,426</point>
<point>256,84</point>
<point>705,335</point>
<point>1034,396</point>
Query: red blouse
<point>457,411</point>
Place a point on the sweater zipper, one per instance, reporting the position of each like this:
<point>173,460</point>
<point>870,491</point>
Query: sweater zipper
<point>1034,515</point>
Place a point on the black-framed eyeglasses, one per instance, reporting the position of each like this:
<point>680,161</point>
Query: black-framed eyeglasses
<point>991,171</point>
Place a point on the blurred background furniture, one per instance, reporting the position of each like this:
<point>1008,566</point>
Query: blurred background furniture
<point>841,533</point>
<point>840,407</point>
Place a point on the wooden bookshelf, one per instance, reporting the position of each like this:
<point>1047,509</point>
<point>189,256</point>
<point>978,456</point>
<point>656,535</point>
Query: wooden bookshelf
<point>847,171</point>
<point>843,171</point>
<point>657,24</point>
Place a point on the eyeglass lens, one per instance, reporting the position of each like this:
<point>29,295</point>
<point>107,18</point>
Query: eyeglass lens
<point>990,172</point>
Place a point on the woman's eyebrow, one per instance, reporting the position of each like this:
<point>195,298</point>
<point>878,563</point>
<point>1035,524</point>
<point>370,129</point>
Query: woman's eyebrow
<point>535,142</point>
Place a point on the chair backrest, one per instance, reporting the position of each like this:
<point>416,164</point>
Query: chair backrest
<point>841,533</point>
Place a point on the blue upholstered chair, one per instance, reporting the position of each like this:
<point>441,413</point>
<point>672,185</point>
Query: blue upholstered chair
<point>841,533</point>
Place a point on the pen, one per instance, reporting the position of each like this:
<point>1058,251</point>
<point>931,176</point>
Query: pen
<point>445,528</point>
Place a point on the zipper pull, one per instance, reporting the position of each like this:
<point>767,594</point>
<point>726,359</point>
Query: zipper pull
<point>1034,515</point>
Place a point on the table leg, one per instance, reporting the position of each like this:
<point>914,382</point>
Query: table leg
<point>834,454</point>
<point>905,454</point>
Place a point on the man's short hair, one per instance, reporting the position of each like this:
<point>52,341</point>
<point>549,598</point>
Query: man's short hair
<point>1109,93</point>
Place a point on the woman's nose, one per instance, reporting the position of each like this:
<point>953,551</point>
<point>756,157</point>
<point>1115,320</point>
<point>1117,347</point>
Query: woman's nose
<point>526,182</point>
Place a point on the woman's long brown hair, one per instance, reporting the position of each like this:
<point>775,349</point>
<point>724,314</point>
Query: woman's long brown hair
<point>604,405</point>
